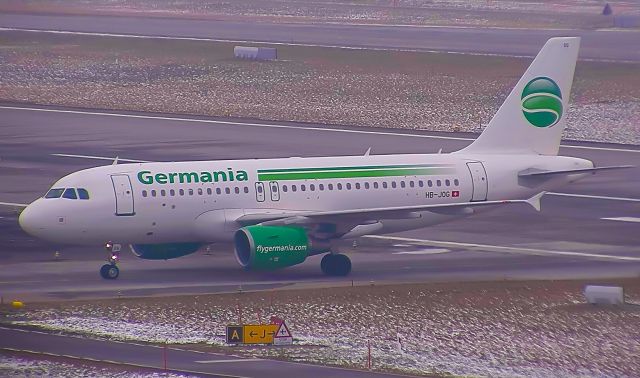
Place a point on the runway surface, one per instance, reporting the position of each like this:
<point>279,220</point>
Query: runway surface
<point>569,239</point>
<point>618,45</point>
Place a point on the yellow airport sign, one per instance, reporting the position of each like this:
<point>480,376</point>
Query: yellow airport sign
<point>259,333</point>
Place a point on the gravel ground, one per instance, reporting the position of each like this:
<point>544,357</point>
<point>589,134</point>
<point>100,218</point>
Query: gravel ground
<point>432,91</point>
<point>498,329</point>
<point>582,14</point>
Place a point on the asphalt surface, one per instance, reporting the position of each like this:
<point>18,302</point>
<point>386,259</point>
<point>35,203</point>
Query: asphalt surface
<point>618,45</point>
<point>568,239</point>
<point>177,359</point>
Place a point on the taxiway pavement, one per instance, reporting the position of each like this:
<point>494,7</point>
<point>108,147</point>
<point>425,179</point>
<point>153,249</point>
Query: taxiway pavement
<point>615,45</point>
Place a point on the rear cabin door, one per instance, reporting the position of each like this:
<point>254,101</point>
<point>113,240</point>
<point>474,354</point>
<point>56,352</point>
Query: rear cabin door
<point>479,179</point>
<point>260,191</point>
<point>124,194</point>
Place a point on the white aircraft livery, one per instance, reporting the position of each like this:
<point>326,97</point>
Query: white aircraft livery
<point>277,212</point>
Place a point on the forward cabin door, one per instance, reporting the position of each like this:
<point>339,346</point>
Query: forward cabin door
<point>275,190</point>
<point>479,179</point>
<point>124,194</point>
<point>260,191</point>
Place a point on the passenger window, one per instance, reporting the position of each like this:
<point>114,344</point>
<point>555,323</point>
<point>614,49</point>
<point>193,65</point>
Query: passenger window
<point>438,183</point>
<point>394,184</point>
<point>218,191</point>
<point>209,191</point>
<point>284,188</point>
<point>402,184</point>
<point>357,185</point>
<point>447,182</point>
<point>259,188</point>
<point>54,193</point>
<point>172,193</point>
<point>293,188</point>
<point>456,182</point>
<point>69,193</point>
<point>321,187</point>
<point>237,190</point>
<point>163,192</point>
<point>339,186</point>
<point>228,190</point>
<point>412,184</point>
<point>303,188</point>
<point>182,192</point>
<point>190,192</point>
<point>144,193</point>
<point>348,186</point>
<point>246,189</point>
<point>375,185</point>
<point>312,187</point>
<point>366,185</point>
<point>421,183</point>
<point>153,193</point>
<point>330,186</point>
<point>430,183</point>
<point>385,185</point>
<point>200,191</point>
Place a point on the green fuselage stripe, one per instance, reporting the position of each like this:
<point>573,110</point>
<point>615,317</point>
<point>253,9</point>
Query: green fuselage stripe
<point>286,170</point>
<point>354,173</point>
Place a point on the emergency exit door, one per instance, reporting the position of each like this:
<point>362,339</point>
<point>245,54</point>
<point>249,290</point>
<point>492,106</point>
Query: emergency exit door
<point>479,179</point>
<point>124,194</point>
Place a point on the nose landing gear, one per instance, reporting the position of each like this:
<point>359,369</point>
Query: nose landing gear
<point>110,271</point>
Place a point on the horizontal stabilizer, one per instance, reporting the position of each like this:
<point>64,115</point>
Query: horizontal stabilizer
<point>532,172</point>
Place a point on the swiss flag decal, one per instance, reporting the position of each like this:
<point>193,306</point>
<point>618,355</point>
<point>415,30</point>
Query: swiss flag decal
<point>455,193</point>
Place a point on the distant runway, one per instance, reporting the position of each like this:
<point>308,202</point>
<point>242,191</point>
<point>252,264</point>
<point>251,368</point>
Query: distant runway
<point>589,231</point>
<point>615,45</point>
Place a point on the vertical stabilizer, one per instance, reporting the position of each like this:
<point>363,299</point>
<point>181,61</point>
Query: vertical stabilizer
<point>532,118</point>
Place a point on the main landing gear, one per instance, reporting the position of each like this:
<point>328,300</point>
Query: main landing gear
<point>335,265</point>
<point>110,270</point>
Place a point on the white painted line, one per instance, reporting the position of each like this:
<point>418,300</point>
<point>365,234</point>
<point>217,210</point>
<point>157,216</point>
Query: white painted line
<point>593,197</point>
<point>13,204</point>
<point>624,219</point>
<point>226,361</point>
<point>432,251</point>
<point>503,249</point>
<point>272,125</point>
<point>100,158</point>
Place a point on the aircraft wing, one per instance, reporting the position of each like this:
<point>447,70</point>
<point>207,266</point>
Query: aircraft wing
<point>348,219</point>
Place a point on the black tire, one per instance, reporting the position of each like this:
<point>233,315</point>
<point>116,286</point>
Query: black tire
<point>335,265</point>
<point>109,272</point>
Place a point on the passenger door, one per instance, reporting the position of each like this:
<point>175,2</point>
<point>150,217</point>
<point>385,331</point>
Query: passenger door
<point>260,191</point>
<point>479,179</point>
<point>124,194</point>
<point>275,190</point>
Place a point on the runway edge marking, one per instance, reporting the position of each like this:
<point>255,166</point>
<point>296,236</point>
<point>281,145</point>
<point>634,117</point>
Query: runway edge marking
<point>272,125</point>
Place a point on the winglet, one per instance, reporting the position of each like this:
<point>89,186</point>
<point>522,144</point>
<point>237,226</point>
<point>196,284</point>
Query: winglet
<point>535,200</point>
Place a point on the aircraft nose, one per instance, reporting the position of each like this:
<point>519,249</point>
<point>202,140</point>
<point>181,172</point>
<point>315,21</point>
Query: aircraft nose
<point>28,220</point>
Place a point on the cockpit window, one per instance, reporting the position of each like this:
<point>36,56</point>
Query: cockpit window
<point>69,193</point>
<point>83,194</point>
<point>54,193</point>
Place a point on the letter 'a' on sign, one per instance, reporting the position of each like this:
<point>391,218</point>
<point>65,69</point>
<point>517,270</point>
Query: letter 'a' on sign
<point>234,335</point>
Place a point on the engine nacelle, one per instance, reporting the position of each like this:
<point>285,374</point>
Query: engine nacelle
<point>272,247</point>
<point>164,251</point>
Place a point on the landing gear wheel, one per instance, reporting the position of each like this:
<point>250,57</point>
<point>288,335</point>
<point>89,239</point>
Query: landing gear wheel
<point>109,271</point>
<point>335,265</point>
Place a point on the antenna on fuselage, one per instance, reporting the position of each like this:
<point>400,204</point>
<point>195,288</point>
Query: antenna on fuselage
<point>115,161</point>
<point>368,152</point>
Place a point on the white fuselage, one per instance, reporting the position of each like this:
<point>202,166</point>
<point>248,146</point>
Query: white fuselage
<point>198,201</point>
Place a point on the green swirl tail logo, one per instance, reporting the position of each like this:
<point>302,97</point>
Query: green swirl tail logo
<point>542,102</point>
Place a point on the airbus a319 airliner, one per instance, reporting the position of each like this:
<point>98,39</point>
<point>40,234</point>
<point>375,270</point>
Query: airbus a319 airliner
<point>278,212</point>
